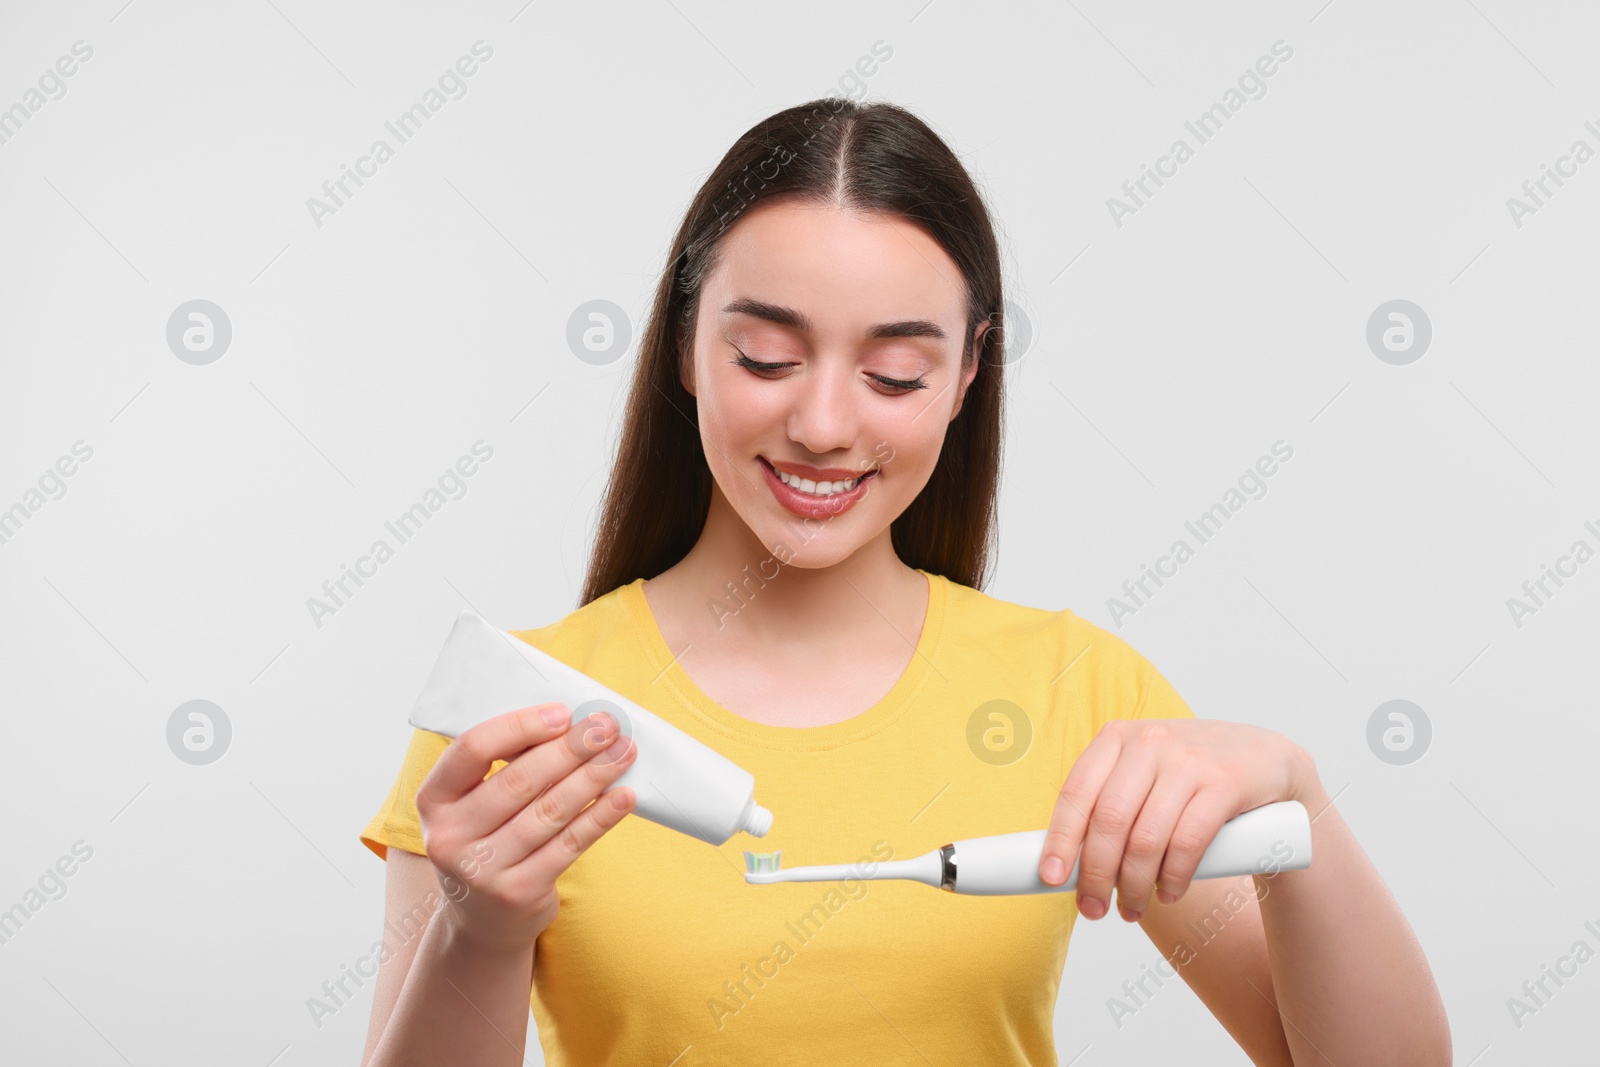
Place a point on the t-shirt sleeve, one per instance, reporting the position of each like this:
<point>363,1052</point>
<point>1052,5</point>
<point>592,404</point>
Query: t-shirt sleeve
<point>1096,677</point>
<point>396,822</point>
<point>1159,700</point>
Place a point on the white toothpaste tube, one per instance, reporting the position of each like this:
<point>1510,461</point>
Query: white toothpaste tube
<point>679,782</point>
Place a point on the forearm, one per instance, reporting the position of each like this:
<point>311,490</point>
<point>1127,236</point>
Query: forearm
<point>1351,982</point>
<point>460,1004</point>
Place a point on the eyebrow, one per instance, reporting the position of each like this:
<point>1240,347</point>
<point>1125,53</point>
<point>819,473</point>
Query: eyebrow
<point>790,317</point>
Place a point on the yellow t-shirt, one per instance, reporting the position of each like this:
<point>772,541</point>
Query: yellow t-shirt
<point>662,953</point>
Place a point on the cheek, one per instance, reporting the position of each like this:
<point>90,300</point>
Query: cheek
<point>923,457</point>
<point>915,438</point>
<point>735,420</point>
<point>733,410</point>
<point>908,455</point>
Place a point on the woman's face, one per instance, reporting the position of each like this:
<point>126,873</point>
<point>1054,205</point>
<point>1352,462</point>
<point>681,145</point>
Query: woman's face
<point>864,316</point>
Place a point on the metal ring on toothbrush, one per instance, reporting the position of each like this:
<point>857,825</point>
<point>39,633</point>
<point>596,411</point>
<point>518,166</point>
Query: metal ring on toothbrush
<point>947,867</point>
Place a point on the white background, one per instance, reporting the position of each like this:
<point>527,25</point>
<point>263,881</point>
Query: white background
<point>1169,353</point>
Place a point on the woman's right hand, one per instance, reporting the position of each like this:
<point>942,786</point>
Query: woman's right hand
<point>498,843</point>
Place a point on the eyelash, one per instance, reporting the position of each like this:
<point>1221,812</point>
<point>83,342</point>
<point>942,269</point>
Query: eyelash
<point>894,383</point>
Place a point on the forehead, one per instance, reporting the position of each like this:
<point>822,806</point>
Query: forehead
<point>844,269</point>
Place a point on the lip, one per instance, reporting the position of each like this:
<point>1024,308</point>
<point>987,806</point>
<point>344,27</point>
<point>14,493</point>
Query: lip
<point>807,505</point>
<point>816,474</point>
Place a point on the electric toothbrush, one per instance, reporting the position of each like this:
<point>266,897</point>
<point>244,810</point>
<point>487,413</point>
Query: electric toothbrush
<point>1274,837</point>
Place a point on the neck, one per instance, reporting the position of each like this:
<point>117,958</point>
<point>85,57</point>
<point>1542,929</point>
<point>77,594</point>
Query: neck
<point>794,589</point>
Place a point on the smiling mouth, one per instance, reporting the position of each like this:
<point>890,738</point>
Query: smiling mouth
<point>792,495</point>
<point>821,489</point>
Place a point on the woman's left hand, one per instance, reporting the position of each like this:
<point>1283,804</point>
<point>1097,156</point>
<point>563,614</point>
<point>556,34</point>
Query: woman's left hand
<point>1146,798</point>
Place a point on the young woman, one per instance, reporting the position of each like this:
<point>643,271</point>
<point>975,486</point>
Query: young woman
<point>788,566</point>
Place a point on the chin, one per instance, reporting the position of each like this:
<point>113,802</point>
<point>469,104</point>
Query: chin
<point>809,546</point>
<point>814,557</point>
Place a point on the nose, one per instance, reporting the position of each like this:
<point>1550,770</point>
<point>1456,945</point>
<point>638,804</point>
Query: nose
<point>824,417</point>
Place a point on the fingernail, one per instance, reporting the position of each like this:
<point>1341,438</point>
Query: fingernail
<point>1054,870</point>
<point>1135,916</point>
<point>1166,897</point>
<point>1092,907</point>
<point>555,715</point>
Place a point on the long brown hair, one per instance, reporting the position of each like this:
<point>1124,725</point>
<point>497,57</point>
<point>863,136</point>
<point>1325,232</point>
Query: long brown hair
<point>874,157</point>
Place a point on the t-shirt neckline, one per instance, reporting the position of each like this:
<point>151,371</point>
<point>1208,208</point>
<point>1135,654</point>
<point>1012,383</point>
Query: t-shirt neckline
<point>666,669</point>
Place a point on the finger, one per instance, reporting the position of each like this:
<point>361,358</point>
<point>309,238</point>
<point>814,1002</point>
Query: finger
<point>467,759</point>
<point>592,736</point>
<point>1196,828</point>
<point>516,785</point>
<point>1115,811</point>
<point>556,855</point>
<point>536,824</point>
<point>1147,843</point>
<point>1070,819</point>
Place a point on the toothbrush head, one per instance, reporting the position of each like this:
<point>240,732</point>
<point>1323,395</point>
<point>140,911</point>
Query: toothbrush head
<point>761,867</point>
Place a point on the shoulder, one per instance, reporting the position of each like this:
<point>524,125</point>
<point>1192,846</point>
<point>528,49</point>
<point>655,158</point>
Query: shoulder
<point>1087,665</point>
<point>989,620</point>
<point>576,636</point>
<point>978,621</point>
<point>612,639</point>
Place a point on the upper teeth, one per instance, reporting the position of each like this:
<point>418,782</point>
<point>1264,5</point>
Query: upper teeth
<point>806,485</point>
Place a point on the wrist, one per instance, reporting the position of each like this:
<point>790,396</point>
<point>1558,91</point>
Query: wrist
<point>462,942</point>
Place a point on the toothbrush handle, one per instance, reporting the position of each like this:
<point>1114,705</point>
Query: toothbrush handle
<point>1273,837</point>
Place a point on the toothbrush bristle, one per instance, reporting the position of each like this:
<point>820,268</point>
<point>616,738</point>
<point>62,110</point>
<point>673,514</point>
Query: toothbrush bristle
<point>763,862</point>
